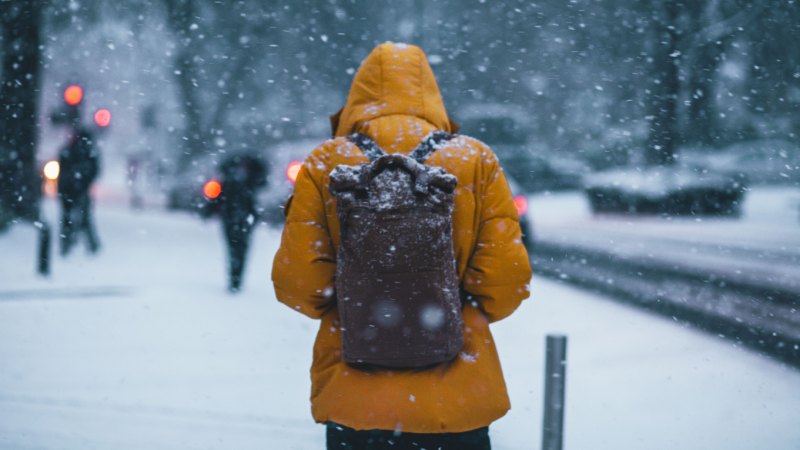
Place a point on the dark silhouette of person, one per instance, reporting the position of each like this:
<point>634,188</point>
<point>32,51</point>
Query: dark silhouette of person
<point>79,161</point>
<point>241,178</point>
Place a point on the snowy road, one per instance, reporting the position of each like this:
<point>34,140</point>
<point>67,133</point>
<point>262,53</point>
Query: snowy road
<point>141,347</point>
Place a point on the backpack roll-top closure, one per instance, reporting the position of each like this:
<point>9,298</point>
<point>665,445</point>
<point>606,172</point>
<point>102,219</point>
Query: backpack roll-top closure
<point>423,176</point>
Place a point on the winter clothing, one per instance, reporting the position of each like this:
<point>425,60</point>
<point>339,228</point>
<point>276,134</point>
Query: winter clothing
<point>76,219</point>
<point>79,166</point>
<point>394,100</point>
<point>242,176</point>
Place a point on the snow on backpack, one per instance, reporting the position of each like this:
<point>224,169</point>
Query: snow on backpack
<point>396,280</point>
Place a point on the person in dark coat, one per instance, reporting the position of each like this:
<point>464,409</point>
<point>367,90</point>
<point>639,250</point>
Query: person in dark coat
<point>242,176</point>
<point>79,163</point>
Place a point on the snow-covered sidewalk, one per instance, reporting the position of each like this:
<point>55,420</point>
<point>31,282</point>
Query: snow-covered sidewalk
<point>141,347</point>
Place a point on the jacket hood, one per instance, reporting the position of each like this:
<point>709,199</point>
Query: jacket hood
<point>395,79</point>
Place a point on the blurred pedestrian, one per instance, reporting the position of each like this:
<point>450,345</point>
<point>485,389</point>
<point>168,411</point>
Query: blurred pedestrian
<point>135,182</point>
<point>79,162</point>
<point>241,178</point>
<point>395,107</point>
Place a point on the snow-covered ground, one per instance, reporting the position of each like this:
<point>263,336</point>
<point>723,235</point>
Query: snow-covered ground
<point>141,347</point>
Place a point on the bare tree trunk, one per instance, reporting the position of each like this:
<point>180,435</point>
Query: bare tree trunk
<point>702,127</point>
<point>664,87</point>
<point>19,106</point>
<point>180,17</point>
<point>196,139</point>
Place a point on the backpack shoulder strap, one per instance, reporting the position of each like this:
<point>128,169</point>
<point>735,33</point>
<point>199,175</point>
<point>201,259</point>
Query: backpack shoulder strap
<point>366,145</point>
<point>430,144</point>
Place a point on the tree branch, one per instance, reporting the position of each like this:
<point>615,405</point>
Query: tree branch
<point>717,30</point>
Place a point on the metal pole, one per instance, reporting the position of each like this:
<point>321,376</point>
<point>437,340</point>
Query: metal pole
<point>554,386</point>
<point>44,247</point>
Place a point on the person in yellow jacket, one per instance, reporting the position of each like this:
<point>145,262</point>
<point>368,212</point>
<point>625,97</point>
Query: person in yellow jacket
<point>395,100</point>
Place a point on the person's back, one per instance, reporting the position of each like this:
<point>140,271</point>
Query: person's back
<point>78,162</point>
<point>242,176</point>
<point>396,102</point>
<point>79,167</point>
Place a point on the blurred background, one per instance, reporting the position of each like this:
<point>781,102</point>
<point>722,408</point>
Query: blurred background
<point>653,148</point>
<point>578,86</point>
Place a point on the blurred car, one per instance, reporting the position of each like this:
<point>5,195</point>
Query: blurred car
<point>522,205</point>
<point>185,192</point>
<point>665,190</point>
<point>765,161</point>
<point>285,161</point>
<point>506,129</point>
<point>542,173</point>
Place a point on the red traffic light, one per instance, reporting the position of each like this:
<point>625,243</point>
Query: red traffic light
<point>212,189</point>
<point>73,95</point>
<point>102,117</point>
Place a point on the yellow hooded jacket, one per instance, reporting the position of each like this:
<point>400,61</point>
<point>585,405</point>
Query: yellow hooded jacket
<point>395,100</point>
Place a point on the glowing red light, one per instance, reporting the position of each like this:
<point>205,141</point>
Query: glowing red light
<point>293,170</point>
<point>521,203</point>
<point>212,189</point>
<point>102,117</point>
<point>73,95</point>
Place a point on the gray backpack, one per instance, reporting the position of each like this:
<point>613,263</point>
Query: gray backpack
<point>396,280</point>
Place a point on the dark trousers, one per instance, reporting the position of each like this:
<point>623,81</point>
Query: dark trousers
<point>237,236</point>
<point>76,219</point>
<point>340,437</point>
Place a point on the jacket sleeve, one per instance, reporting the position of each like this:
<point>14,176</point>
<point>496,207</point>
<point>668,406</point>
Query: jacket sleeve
<point>498,272</point>
<point>305,265</point>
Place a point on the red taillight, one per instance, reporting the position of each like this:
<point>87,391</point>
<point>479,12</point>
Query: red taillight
<point>212,189</point>
<point>521,203</point>
<point>102,117</point>
<point>293,169</point>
